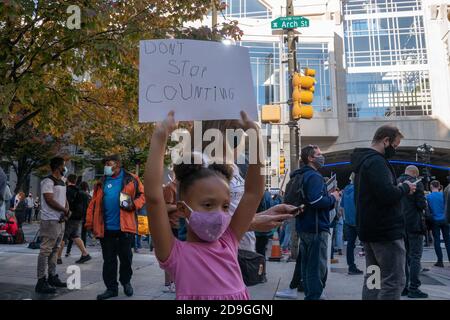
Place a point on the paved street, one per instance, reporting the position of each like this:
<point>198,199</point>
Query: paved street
<point>18,276</point>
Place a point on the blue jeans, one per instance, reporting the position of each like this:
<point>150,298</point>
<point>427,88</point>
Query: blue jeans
<point>339,244</point>
<point>313,248</point>
<point>439,226</point>
<point>286,235</point>
<point>350,236</point>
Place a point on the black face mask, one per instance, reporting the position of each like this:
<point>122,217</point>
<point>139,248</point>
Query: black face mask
<point>389,152</point>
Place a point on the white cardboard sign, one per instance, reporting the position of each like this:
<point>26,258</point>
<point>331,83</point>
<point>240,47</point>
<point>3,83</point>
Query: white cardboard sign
<point>199,80</point>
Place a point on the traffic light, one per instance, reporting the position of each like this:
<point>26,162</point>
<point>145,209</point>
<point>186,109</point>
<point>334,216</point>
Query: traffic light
<point>303,94</point>
<point>282,165</point>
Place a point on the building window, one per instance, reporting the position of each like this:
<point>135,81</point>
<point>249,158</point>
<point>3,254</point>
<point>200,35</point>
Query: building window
<point>388,94</point>
<point>380,6</point>
<point>247,9</point>
<point>265,62</point>
<point>316,56</point>
<point>385,41</point>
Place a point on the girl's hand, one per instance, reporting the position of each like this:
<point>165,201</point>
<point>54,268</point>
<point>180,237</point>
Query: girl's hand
<point>167,126</point>
<point>245,123</point>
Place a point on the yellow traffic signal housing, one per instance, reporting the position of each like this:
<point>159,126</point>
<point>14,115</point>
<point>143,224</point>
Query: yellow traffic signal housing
<point>271,114</point>
<point>282,165</point>
<point>303,94</point>
<point>310,72</point>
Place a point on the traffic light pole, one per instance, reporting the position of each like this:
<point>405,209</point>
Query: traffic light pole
<point>292,66</point>
<point>294,140</point>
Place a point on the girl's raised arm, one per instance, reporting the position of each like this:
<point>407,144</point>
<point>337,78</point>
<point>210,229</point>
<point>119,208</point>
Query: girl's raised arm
<point>153,181</point>
<point>254,185</point>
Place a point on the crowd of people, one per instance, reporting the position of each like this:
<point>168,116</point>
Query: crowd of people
<point>213,222</point>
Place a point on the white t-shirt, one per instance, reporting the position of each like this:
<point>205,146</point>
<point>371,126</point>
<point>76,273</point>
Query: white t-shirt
<point>58,189</point>
<point>30,202</point>
<point>237,187</point>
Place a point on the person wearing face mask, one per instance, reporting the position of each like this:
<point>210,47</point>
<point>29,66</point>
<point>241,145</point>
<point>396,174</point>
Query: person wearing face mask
<point>379,218</point>
<point>313,225</point>
<point>111,217</point>
<point>205,266</point>
<point>54,211</point>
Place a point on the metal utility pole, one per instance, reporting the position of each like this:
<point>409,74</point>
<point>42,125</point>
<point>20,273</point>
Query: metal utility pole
<point>213,14</point>
<point>292,68</point>
<point>294,141</point>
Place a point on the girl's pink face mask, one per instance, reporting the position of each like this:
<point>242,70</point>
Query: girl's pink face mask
<point>208,226</point>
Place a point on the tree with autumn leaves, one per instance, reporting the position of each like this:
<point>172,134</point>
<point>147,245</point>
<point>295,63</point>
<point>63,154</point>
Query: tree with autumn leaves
<point>80,86</point>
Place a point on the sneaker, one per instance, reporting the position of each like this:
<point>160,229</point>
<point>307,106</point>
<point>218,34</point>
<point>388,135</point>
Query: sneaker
<point>405,292</point>
<point>286,252</point>
<point>84,259</point>
<point>128,289</point>
<point>287,294</point>
<point>55,282</point>
<point>417,294</point>
<point>59,261</point>
<point>334,261</point>
<point>361,254</point>
<point>169,288</point>
<point>172,288</point>
<point>42,286</point>
<point>439,264</point>
<point>354,271</point>
<point>108,294</point>
<point>67,254</point>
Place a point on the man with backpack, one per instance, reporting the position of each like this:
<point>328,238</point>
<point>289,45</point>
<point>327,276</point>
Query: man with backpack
<point>54,212</point>
<point>73,225</point>
<point>307,188</point>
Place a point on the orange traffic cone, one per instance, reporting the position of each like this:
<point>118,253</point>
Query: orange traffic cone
<point>276,249</point>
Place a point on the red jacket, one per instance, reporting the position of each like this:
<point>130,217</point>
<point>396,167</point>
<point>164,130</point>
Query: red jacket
<point>11,227</point>
<point>94,215</point>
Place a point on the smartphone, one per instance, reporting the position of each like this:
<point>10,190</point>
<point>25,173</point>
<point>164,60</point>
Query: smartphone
<point>297,211</point>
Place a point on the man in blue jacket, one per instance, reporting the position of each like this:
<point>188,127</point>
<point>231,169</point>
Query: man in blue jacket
<point>314,223</point>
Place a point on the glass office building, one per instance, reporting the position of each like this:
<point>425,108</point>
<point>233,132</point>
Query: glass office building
<point>386,59</point>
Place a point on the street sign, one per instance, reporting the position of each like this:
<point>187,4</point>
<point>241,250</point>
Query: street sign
<point>290,22</point>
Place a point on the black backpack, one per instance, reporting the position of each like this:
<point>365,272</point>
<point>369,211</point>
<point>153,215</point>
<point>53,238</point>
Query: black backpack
<point>75,200</point>
<point>253,267</point>
<point>294,194</point>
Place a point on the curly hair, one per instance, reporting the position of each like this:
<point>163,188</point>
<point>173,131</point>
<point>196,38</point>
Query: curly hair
<point>187,174</point>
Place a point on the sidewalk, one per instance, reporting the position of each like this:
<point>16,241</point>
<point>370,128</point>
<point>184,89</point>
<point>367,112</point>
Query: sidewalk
<point>18,277</point>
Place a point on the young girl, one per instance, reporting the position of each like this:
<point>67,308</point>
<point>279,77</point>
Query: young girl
<point>205,266</point>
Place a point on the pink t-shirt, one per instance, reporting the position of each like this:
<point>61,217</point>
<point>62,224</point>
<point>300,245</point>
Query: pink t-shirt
<point>207,270</point>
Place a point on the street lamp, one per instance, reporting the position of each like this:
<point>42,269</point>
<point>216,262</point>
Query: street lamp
<point>425,151</point>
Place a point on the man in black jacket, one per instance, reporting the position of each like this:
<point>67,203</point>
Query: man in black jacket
<point>413,207</point>
<point>379,219</point>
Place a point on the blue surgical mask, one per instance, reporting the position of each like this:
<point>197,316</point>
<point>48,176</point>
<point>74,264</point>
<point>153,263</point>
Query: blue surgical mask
<point>108,171</point>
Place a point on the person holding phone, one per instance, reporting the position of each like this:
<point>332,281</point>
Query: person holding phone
<point>111,217</point>
<point>413,206</point>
